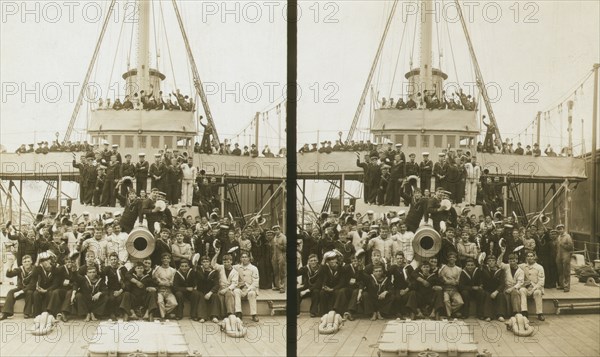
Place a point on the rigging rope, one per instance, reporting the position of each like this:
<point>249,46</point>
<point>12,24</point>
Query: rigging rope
<point>451,48</point>
<point>570,92</point>
<point>157,52</point>
<point>379,64</point>
<point>398,57</point>
<point>414,40</point>
<point>130,40</point>
<point>437,34</point>
<point>162,15</point>
<point>116,53</point>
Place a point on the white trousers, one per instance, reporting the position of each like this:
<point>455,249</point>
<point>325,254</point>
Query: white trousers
<point>470,192</point>
<point>187,192</point>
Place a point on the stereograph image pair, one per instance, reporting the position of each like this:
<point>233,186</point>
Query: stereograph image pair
<point>348,178</point>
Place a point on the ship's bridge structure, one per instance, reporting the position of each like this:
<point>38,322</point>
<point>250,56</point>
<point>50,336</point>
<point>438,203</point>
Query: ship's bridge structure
<point>248,184</point>
<point>439,129</point>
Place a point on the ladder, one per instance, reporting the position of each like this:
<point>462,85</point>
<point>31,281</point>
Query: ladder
<point>45,199</point>
<point>520,209</point>
<point>234,200</point>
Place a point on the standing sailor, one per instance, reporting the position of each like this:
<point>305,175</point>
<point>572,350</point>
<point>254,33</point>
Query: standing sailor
<point>141,174</point>
<point>156,172</point>
<point>426,171</point>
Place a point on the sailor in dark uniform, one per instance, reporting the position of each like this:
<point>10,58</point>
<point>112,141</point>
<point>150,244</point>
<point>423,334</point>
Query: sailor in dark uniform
<point>106,153</point>
<point>110,181</point>
<point>236,151</point>
<point>412,168</point>
<point>41,283</point>
<point>439,170</point>
<point>83,172</point>
<point>130,212</point>
<point>141,173</point>
<point>115,276</point>
<point>452,181</point>
<point>411,104</point>
<point>24,274</point>
<point>156,172</point>
<point>127,170</point>
<point>99,184</point>
<point>127,104</point>
<point>366,176</point>
<point>397,173</point>
<point>425,171</point>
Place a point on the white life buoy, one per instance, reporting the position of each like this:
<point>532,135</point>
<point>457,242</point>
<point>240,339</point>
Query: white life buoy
<point>519,325</point>
<point>43,324</point>
<point>233,326</point>
<point>330,323</point>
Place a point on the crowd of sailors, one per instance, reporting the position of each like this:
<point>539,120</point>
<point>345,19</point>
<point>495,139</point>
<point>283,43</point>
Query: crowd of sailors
<point>105,178</point>
<point>70,265</point>
<point>360,264</point>
<point>390,179</point>
<point>150,101</point>
<point>495,146</point>
<point>431,101</point>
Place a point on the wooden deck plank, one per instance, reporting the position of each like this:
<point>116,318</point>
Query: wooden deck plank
<point>369,339</point>
<point>260,339</point>
<point>574,342</point>
<point>193,337</point>
<point>349,348</point>
<point>12,330</point>
<point>311,340</point>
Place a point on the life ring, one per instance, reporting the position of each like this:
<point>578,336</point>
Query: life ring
<point>233,327</point>
<point>519,325</point>
<point>330,323</point>
<point>43,324</point>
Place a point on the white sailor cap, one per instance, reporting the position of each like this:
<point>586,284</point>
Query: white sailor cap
<point>395,220</point>
<point>157,155</point>
<point>115,146</point>
<point>104,142</point>
<point>330,254</point>
<point>398,145</point>
<point>118,214</point>
<point>425,153</point>
<point>441,154</point>
<point>142,154</point>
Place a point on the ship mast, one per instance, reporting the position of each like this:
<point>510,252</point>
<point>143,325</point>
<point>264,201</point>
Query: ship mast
<point>427,14</point>
<point>143,50</point>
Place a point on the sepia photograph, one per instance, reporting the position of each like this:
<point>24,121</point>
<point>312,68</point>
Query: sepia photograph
<point>142,178</point>
<point>447,178</point>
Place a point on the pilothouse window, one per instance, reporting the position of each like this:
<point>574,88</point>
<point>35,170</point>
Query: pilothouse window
<point>155,142</point>
<point>412,141</point>
<point>128,141</point>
